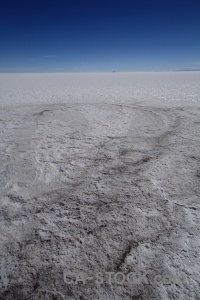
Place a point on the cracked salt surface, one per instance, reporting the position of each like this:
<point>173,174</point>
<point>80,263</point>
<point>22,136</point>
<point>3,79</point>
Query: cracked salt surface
<point>99,173</point>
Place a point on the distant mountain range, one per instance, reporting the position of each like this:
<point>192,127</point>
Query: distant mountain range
<point>186,70</point>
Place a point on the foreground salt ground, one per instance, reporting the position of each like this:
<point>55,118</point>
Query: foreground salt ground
<point>91,187</point>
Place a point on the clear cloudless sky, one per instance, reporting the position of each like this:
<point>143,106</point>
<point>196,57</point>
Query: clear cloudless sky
<point>91,35</point>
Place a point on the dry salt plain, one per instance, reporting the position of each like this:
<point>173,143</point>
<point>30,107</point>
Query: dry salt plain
<point>100,173</point>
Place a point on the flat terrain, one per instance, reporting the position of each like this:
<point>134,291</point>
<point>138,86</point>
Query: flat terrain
<point>100,173</point>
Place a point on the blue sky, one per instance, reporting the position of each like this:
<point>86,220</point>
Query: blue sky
<point>77,36</point>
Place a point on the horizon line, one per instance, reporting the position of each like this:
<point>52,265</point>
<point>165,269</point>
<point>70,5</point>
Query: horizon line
<point>114,71</point>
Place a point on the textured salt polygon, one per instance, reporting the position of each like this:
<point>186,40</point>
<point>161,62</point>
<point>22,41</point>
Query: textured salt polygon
<point>99,173</point>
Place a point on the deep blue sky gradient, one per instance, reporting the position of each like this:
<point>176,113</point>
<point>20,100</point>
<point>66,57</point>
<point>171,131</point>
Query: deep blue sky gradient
<point>70,35</point>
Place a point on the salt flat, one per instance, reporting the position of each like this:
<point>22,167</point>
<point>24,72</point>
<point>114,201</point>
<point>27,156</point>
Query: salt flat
<point>171,88</point>
<point>100,173</point>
